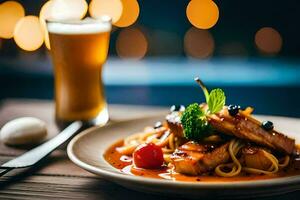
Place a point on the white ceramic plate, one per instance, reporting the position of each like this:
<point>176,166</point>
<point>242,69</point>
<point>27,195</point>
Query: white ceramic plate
<point>86,150</point>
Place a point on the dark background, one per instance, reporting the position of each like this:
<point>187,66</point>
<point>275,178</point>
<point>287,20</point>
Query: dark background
<point>165,23</point>
<point>29,74</point>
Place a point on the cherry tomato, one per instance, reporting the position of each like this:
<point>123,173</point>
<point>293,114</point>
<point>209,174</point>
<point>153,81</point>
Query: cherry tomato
<point>148,156</point>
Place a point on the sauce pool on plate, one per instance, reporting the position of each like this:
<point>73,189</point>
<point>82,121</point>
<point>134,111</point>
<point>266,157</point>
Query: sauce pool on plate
<point>124,164</point>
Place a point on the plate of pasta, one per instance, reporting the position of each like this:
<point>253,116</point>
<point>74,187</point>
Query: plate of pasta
<point>202,149</point>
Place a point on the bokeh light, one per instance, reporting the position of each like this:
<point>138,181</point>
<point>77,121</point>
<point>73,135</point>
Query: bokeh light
<point>112,8</point>
<point>28,33</point>
<point>198,43</point>
<point>202,14</point>
<point>131,43</point>
<point>61,9</point>
<point>46,10</point>
<point>10,13</point>
<point>45,13</point>
<point>131,10</point>
<point>268,40</point>
<point>67,9</point>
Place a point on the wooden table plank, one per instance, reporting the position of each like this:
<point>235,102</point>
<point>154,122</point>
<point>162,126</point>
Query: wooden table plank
<point>47,187</point>
<point>57,165</point>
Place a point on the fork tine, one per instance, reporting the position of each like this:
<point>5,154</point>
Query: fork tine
<point>4,171</point>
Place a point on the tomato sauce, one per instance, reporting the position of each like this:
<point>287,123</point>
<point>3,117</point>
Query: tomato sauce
<point>124,164</point>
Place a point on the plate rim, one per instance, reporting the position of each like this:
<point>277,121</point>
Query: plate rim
<point>281,181</point>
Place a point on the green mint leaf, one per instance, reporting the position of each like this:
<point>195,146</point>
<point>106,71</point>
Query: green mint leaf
<point>216,100</point>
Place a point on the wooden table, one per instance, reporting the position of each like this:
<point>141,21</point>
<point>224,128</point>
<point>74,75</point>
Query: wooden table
<point>58,178</point>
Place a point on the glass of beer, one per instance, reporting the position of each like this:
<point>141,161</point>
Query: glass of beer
<point>79,50</point>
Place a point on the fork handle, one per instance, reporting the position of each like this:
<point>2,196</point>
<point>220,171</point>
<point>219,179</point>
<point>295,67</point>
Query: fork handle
<point>4,171</point>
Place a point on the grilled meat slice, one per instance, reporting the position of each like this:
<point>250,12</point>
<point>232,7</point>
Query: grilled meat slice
<point>187,162</point>
<point>194,146</point>
<point>254,157</point>
<point>194,159</point>
<point>173,120</point>
<point>241,126</point>
<point>246,127</point>
<point>218,156</point>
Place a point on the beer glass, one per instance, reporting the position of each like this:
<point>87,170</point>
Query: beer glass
<point>79,50</point>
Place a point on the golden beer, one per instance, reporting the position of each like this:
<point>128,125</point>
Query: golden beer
<point>79,50</point>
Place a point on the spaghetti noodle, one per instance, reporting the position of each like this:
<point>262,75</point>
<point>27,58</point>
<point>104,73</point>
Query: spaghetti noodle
<point>164,138</point>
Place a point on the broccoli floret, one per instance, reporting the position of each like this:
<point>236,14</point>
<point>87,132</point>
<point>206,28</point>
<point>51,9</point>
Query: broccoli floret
<point>194,122</point>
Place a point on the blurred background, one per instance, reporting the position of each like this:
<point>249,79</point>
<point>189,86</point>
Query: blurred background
<point>248,48</point>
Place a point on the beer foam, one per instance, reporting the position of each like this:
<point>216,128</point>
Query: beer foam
<point>86,26</point>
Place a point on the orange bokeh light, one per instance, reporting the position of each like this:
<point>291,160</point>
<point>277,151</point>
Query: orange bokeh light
<point>112,8</point>
<point>28,33</point>
<point>268,40</point>
<point>45,13</point>
<point>10,13</point>
<point>202,14</point>
<point>61,9</point>
<point>68,9</point>
<point>198,43</point>
<point>46,10</point>
<point>131,43</point>
<point>131,10</point>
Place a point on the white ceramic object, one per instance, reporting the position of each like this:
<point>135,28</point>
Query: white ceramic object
<point>25,130</point>
<point>86,150</point>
